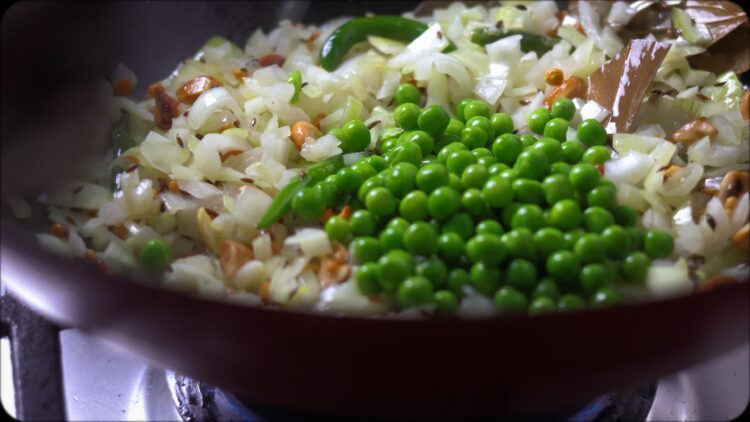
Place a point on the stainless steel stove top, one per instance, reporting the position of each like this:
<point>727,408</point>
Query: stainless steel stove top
<point>104,383</point>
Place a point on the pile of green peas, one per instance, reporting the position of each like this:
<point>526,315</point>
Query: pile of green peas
<point>449,202</point>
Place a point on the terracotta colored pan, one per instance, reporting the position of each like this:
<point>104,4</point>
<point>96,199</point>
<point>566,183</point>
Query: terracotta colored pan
<point>447,368</point>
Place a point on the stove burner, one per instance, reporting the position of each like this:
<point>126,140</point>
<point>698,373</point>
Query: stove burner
<point>197,402</point>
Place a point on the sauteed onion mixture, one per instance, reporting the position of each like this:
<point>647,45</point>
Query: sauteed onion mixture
<point>471,160</point>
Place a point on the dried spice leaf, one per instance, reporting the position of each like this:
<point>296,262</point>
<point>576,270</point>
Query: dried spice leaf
<point>620,84</point>
<point>728,25</point>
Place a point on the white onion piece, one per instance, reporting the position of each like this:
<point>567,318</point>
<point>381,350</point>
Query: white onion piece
<point>250,206</point>
<point>630,168</point>
<point>683,180</point>
<point>346,298</point>
<point>318,150</point>
<point>200,190</point>
<point>668,279</point>
<point>162,155</point>
<point>312,242</point>
<point>209,103</point>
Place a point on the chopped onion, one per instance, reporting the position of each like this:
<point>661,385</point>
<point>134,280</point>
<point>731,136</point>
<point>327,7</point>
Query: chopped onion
<point>251,205</point>
<point>313,242</point>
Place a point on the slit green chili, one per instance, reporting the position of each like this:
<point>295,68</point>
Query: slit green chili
<point>357,30</point>
<point>529,42</point>
<point>295,78</point>
<point>282,203</point>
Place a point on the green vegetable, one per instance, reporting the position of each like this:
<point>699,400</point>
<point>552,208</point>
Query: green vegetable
<point>356,30</point>
<point>658,244</point>
<point>484,277</point>
<point>443,202</point>
<point>529,42</point>
<point>366,278</point>
<point>509,300</point>
<point>421,238</point>
<point>295,78</point>
<point>408,93</point>
<point>414,291</point>
<point>541,305</point>
<point>155,255</point>
<point>433,120</point>
<point>538,120</point>
<point>446,301</point>
<point>591,133</point>
<point>395,266</point>
<point>337,228</point>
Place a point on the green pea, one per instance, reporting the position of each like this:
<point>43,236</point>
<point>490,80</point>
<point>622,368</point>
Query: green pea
<point>421,238</point>
<point>445,151</point>
<point>602,196</point>
<point>481,152</point>
<point>519,244</point>
<point>507,147</point>
<point>415,291</point>
<point>593,277</point>
<point>461,107</point>
<point>497,192</point>
<point>473,202</point>
<point>457,161</point>
<point>571,302</point>
<point>541,305</point>
<point>490,227</point>
<point>550,147</point>
<point>563,266</point>
<point>395,266</point>
<point>407,115</point>
<point>450,246</point>
<point>510,301</point>
<point>497,168</point>
<point>408,93</point>
<point>591,133</point>
<point>328,192</point>
<point>521,274</point>
<point>483,123</point>
<point>433,269</point>
<point>485,248</point>
<point>399,223</point>
<point>461,224</point>
<point>474,176</point>
<point>454,127</point>
<point>381,202</point>
<point>590,248</point>
<point>527,141</point>
<point>487,160</point>
<point>637,238</point>
<point>559,168</point>
<point>457,279</point>
<point>501,123</point>
<point>584,177</point>
<point>616,241</point>
<point>363,170</point>
<point>556,128</point>
<point>625,215</point>
<point>454,182</point>
<point>529,216</point>
<point>433,120</point>
<point>388,145</point>
<point>337,228</point>
<point>605,297</point>
<point>563,108</point>
<point>362,223</point>
<point>365,249</point>
<point>356,136</point>
<point>509,211</point>
<point>377,162</point>
<point>596,155</point>
<point>154,256</point>
<point>308,204</point>
<point>571,237</point>
<point>572,152</point>
<point>485,278</point>
<point>406,153</point>
<point>443,202</point>
<point>431,177</point>
<point>635,267</point>
<point>556,187</point>
<point>510,175</point>
<point>547,288</point>
<point>538,119</point>
<point>548,240</point>
<point>423,139</point>
<point>414,206</point>
<point>366,278</point>
<point>473,137</point>
<point>658,244</point>
<point>531,164</point>
<point>391,238</point>
<point>596,219</point>
<point>400,180</point>
<point>446,301</point>
<point>528,191</point>
<point>368,185</point>
<point>476,108</point>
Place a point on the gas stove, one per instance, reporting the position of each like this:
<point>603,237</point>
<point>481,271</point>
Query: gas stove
<point>102,382</point>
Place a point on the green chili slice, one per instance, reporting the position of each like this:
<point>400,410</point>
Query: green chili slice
<point>282,203</point>
<point>295,78</point>
<point>357,30</point>
<point>529,42</point>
